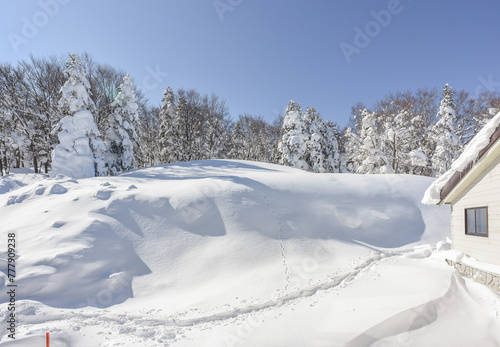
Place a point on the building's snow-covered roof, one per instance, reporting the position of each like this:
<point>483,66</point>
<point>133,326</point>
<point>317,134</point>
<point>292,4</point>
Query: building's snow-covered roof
<point>470,154</point>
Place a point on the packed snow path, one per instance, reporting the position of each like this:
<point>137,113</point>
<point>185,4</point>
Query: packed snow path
<point>386,315</point>
<point>226,253</point>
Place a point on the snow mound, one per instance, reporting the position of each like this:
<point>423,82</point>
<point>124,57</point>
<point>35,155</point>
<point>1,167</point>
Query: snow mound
<point>171,228</point>
<point>15,180</point>
<point>236,253</point>
<point>425,324</point>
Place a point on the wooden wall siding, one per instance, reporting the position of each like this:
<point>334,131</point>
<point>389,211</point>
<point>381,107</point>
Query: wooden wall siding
<point>484,191</point>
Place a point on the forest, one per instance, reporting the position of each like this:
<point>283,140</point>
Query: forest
<point>75,116</point>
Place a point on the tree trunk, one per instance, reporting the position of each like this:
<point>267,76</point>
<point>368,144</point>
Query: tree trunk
<point>35,159</point>
<point>18,159</point>
<point>5,164</point>
<point>3,160</point>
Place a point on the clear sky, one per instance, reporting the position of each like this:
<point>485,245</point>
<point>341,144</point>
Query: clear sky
<point>259,54</point>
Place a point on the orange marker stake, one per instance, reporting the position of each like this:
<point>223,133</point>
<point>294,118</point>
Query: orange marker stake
<point>47,338</point>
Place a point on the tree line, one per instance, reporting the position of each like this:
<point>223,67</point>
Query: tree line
<point>419,132</point>
<point>56,111</point>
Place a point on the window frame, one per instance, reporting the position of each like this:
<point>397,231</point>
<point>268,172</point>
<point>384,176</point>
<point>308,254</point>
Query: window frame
<point>475,213</point>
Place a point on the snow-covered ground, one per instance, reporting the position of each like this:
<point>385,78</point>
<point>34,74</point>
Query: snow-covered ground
<point>228,253</point>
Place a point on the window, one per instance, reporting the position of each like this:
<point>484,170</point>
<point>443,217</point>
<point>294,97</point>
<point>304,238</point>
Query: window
<point>476,221</point>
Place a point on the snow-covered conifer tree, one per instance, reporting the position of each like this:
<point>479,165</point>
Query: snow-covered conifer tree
<point>186,138</point>
<point>444,134</point>
<point>80,151</point>
<point>331,156</point>
<point>315,141</point>
<point>238,141</point>
<point>121,134</point>
<point>350,160</point>
<point>292,146</point>
<point>168,127</point>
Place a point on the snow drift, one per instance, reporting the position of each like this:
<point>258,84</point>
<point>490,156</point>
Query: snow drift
<point>186,253</point>
<point>187,223</point>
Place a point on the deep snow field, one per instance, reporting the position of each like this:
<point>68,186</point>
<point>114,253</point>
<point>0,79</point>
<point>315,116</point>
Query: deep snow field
<point>233,253</point>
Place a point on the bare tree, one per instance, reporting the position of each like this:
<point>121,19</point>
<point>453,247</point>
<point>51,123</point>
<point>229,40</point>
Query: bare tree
<point>42,81</point>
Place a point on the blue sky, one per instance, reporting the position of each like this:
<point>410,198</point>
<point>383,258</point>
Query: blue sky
<point>260,54</point>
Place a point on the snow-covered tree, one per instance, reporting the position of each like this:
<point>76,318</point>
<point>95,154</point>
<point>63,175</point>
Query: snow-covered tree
<point>419,162</point>
<point>121,135</point>
<point>80,152</point>
<point>444,134</point>
<point>188,127</point>
<point>483,117</point>
<point>307,142</point>
<point>247,140</point>
<point>292,146</point>
<point>350,159</point>
<point>421,149</point>
<point>398,132</point>
<point>371,158</point>
<point>314,138</point>
<point>215,135</point>
<point>168,128</point>
<point>148,133</point>
<point>252,138</point>
<point>6,131</point>
<point>238,141</point>
<point>331,155</point>
<point>274,133</point>
<point>45,76</point>
<point>16,100</point>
